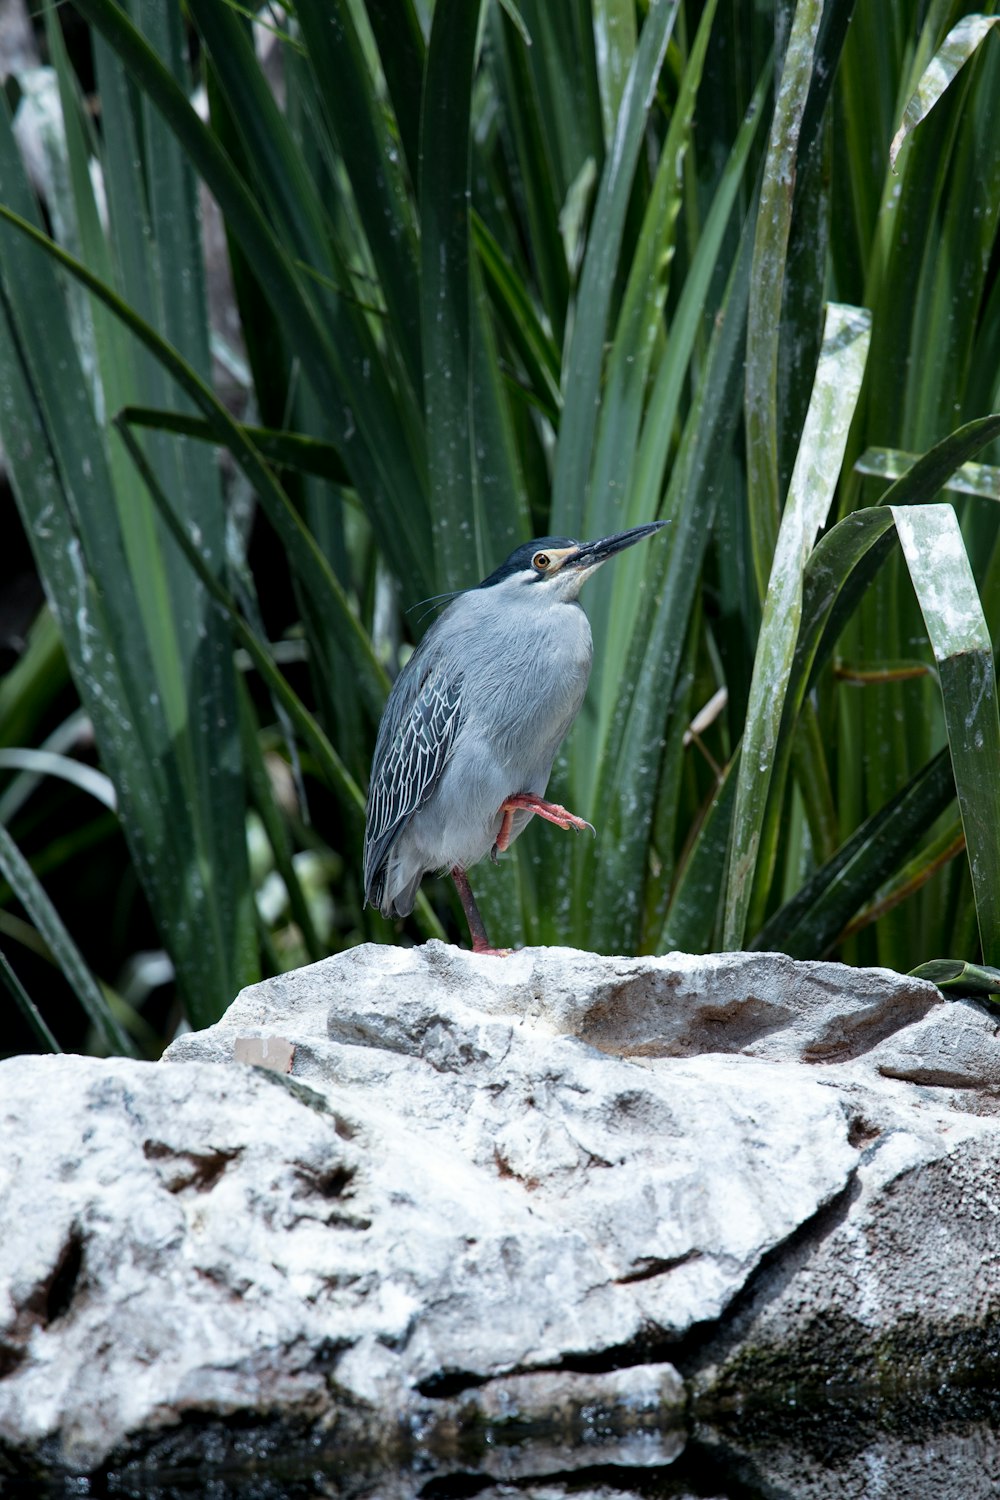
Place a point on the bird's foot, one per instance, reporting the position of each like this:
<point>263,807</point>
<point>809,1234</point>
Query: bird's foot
<point>550,811</point>
<point>488,952</point>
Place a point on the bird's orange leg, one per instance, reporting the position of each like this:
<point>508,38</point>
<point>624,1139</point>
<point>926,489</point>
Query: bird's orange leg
<point>477,927</point>
<point>503,837</point>
<point>550,811</point>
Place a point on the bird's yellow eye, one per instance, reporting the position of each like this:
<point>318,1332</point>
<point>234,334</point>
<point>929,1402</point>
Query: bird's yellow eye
<point>541,561</point>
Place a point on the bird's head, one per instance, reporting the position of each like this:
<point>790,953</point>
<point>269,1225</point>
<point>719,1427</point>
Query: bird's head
<point>557,566</point>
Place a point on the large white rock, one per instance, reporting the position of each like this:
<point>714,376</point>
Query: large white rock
<point>482,1176</point>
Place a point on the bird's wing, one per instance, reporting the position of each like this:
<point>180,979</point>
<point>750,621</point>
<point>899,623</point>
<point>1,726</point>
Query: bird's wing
<point>414,742</point>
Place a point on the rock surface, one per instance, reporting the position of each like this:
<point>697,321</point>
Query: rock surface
<point>498,1198</point>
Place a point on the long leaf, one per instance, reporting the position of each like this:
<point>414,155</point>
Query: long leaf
<point>960,978</point>
<point>609,887</point>
<point>809,924</point>
<point>835,392</point>
<point>521,322</point>
<point>283,450</point>
<point>696,899</point>
<point>931,542</point>
<point>313,567</point>
<point>958,46</point>
<point>26,1005</point>
<point>539,197</point>
<point>445,284</point>
<point>357,121</point>
<point>640,322</point>
<point>767,284</point>
<point>329,761</point>
<point>584,359</point>
<point>847,558</point>
<point>47,763</point>
<point>400,42</point>
<point>379,458</point>
<point>970,479</point>
<point>84,537</point>
<point>26,886</point>
<point>613,500</point>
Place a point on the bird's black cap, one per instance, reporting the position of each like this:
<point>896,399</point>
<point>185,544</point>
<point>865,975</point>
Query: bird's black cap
<point>585,556</point>
<point>520,559</point>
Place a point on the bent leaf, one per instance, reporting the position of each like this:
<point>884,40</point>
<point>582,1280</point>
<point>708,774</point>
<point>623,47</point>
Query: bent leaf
<point>970,479</point>
<point>955,51</point>
<point>931,541</point>
<point>961,978</point>
<point>814,478</point>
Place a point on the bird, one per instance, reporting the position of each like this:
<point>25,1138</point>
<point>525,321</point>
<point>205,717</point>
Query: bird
<point>474,720</point>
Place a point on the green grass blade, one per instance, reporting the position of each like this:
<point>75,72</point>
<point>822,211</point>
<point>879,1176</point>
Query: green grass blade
<point>63,484</point>
<point>150,186</point>
<point>282,450</point>
<point>817,468</point>
<point>686,323</point>
<point>527,123</point>
<point>846,559</point>
<point>959,45</point>
<point>446,285</point>
<point>330,762</point>
<point>312,567</point>
<point>63,738</point>
<point>958,978</point>
<point>931,859</point>
<point>932,544</point>
<point>83,231</point>
<point>616,497</point>
<point>609,876</point>
<point>926,275</point>
<point>809,925</point>
<point>348,379</point>
<point>262,795</point>
<point>500,503</point>
<point>564,79</point>
<point>26,1005</point>
<point>969,479</point>
<point>75,772</point>
<point>358,123</point>
<point>381,411</point>
<point>767,286</point>
<point>639,326</point>
<point>838,576</point>
<point>805,288</point>
<point>29,891</point>
<point>584,359</point>
<point>36,679</point>
<point>520,321</point>
<point>396,27</point>
<point>696,898</point>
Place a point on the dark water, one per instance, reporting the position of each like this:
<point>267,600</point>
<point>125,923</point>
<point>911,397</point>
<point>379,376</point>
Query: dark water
<point>937,1446</point>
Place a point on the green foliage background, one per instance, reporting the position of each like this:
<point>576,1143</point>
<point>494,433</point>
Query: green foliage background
<point>502,270</point>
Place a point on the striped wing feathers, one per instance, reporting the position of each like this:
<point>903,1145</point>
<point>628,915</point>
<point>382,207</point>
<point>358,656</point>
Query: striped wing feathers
<point>414,743</point>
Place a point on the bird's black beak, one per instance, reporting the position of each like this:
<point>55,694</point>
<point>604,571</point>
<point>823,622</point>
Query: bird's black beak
<point>590,555</point>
